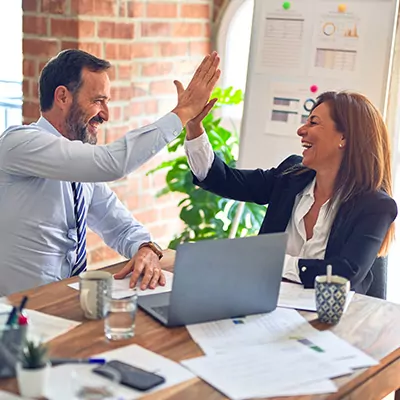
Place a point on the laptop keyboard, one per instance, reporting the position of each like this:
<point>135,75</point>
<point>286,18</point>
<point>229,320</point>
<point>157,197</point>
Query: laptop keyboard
<point>163,310</point>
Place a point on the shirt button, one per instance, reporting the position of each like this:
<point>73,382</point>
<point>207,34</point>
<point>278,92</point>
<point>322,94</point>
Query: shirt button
<point>175,133</point>
<point>303,269</point>
<point>72,234</point>
<point>153,152</point>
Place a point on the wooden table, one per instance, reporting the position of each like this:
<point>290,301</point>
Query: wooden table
<point>370,324</point>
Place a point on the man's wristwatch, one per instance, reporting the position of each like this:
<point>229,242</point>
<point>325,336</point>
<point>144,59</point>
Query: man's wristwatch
<point>154,247</point>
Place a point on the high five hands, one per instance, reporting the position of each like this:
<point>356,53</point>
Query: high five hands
<point>194,101</point>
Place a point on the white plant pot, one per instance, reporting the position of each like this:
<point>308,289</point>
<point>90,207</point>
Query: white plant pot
<point>32,382</point>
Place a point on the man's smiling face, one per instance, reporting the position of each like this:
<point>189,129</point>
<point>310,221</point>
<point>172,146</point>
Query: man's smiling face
<point>89,108</point>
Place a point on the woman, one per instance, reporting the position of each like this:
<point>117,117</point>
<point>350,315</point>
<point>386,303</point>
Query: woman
<point>334,202</point>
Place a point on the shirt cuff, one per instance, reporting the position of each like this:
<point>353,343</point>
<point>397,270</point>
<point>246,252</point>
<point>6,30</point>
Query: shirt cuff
<point>170,125</point>
<point>291,268</point>
<point>197,143</point>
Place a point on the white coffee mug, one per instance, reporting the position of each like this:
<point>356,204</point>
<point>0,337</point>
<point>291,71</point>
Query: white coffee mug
<point>95,288</point>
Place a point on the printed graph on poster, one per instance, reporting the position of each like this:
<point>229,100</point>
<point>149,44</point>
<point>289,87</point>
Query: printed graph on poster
<point>289,106</point>
<point>337,41</point>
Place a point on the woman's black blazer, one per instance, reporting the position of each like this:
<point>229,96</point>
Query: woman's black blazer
<point>357,231</point>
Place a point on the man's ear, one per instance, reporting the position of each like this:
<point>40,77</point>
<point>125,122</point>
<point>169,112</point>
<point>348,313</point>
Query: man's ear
<point>62,97</point>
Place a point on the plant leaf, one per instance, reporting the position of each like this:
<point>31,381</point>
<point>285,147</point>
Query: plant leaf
<point>205,215</point>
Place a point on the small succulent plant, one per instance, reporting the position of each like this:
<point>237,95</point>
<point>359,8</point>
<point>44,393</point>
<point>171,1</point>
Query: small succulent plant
<point>34,355</point>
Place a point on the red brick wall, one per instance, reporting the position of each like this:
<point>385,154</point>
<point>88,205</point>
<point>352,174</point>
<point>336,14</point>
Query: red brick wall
<point>149,43</point>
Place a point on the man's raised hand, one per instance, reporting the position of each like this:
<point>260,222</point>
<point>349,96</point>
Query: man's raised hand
<point>193,99</point>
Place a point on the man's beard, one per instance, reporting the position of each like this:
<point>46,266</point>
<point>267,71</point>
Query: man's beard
<point>77,128</point>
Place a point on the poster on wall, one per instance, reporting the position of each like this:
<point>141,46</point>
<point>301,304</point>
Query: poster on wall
<point>345,35</point>
<point>301,48</point>
<point>289,106</point>
<point>337,43</point>
<point>282,42</point>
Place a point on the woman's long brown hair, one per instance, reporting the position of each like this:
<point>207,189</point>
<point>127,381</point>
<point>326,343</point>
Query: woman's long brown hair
<point>366,164</point>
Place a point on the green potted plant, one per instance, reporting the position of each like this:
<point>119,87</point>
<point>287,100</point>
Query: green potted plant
<point>206,215</point>
<point>33,369</point>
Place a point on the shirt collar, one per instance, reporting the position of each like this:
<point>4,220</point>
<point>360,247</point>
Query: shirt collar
<point>43,123</point>
<point>309,192</point>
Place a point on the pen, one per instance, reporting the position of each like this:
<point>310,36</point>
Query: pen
<point>11,316</point>
<point>59,361</point>
<point>23,303</point>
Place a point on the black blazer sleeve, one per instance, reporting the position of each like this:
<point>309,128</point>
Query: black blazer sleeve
<point>243,185</point>
<point>358,241</point>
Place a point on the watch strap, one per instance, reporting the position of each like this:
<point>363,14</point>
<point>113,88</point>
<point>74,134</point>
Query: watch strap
<point>154,247</point>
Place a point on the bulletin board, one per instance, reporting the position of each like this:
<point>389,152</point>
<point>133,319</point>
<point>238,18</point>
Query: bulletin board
<point>301,48</point>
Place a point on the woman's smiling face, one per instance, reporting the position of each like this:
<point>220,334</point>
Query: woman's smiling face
<point>322,142</point>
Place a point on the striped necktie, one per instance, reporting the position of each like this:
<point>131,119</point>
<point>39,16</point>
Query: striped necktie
<point>79,205</point>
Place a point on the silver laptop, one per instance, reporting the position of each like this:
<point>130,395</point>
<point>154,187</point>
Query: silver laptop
<point>224,278</point>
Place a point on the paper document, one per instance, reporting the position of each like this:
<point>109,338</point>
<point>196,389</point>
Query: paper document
<point>295,296</point>
<point>263,371</point>
<point>219,336</point>
<point>121,287</point>
<point>282,39</point>
<point>281,325</point>
<point>61,377</point>
<point>335,349</point>
<point>317,387</point>
<point>42,326</point>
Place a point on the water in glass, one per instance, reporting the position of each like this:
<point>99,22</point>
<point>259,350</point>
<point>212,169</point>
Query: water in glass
<point>119,322</point>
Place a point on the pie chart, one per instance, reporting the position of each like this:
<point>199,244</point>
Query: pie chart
<point>329,28</point>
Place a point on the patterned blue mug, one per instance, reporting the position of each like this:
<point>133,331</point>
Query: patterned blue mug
<point>330,297</point>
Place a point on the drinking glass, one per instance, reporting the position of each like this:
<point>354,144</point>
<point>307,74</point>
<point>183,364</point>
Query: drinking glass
<point>119,322</point>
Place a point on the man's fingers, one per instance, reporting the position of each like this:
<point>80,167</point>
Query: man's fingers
<point>205,64</point>
<point>193,99</point>
<point>179,87</point>
<point>212,70</point>
<point>155,278</point>
<point>148,274</point>
<point>162,281</point>
<point>137,271</point>
<point>214,79</point>
<point>205,68</point>
<point>126,269</point>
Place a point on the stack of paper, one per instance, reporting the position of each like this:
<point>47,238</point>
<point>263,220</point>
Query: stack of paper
<point>42,326</point>
<point>223,335</point>
<point>121,287</point>
<point>254,356</point>
<point>277,369</point>
<point>292,295</point>
<point>61,385</point>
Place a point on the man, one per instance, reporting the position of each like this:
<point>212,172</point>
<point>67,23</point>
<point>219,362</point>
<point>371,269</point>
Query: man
<point>52,176</point>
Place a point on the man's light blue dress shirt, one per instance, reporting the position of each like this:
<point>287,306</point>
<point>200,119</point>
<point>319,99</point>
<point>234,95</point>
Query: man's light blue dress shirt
<point>38,235</point>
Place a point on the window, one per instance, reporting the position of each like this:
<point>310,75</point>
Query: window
<point>233,44</point>
<point>11,67</point>
<point>393,293</point>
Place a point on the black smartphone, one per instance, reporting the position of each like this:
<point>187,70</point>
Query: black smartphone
<point>131,376</point>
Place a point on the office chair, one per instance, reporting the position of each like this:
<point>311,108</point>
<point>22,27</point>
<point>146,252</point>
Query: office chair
<point>379,282</point>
